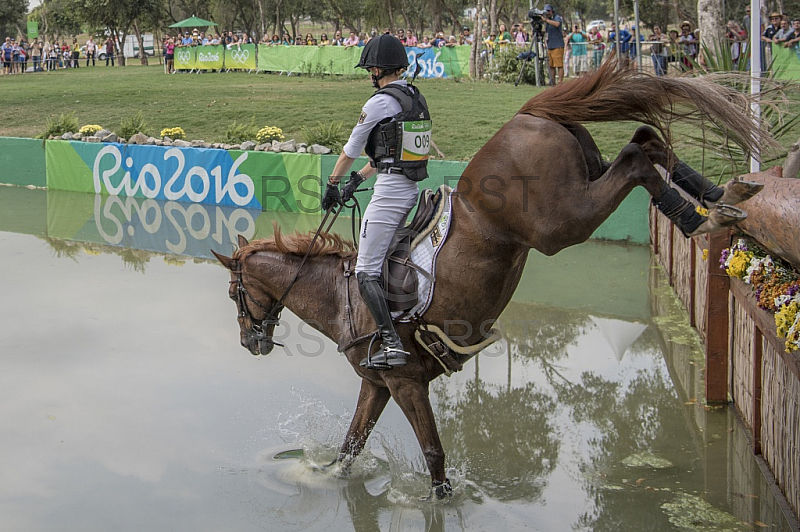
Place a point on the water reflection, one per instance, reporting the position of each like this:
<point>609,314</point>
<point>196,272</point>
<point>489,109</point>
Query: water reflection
<point>139,396</point>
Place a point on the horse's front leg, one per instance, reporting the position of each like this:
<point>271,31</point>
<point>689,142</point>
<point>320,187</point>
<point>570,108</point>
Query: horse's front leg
<point>372,400</point>
<point>412,398</point>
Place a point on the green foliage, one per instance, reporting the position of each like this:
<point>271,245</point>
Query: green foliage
<point>504,67</point>
<point>237,132</point>
<point>131,125</point>
<point>328,134</point>
<point>58,125</point>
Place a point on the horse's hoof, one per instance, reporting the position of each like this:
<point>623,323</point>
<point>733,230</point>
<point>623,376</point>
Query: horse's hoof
<point>737,191</point>
<point>442,489</point>
<point>719,217</point>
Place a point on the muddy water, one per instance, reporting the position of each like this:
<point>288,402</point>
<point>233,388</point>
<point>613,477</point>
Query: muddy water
<point>126,402</point>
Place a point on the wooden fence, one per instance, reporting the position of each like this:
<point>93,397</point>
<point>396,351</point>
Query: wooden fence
<point>746,362</point>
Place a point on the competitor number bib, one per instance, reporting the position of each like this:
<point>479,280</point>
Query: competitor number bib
<point>416,140</point>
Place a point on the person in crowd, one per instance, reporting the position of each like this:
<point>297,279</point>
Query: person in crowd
<point>659,50</point>
<point>438,40</point>
<point>451,41</point>
<point>466,37</point>
<point>187,39</point>
<point>395,191</point>
<point>401,34</point>
<point>783,32</point>
<point>352,40</point>
<point>337,39</point>
<point>745,25</point>
<point>688,43</point>
<point>110,49</point>
<point>24,55</point>
<point>793,39</point>
<point>323,40</point>
<point>66,55</point>
<point>76,53</point>
<point>555,43</point>
<point>503,35</point>
<point>580,58</point>
<point>772,29</point>
<point>309,38</point>
<point>7,52</point>
<point>91,51</point>
<point>287,40</point>
<point>299,41</point>
<point>598,46</point>
<point>169,55</point>
<point>736,37</point>
<point>411,39</point>
<point>46,47</point>
<point>624,52</point>
<point>425,43</point>
<point>518,35</point>
<point>634,46</point>
<point>275,40</point>
<point>36,55</point>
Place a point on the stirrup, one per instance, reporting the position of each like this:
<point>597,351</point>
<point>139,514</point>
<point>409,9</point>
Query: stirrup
<point>386,359</point>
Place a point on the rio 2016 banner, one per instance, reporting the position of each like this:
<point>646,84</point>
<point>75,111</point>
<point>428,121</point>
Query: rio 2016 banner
<point>185,58</point>
<point>445,62</point>
<point>241,57</point>
<point>210,57</point>
<point>255,180</point>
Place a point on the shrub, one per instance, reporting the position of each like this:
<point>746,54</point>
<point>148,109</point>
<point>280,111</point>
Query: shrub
<point>505,66</point>
<point>174,133</point>
<point>268,134</point>
<point>57,126</point>
<point>328,134</point>
<point>236,133</point>
<point>89,129</point>
<point>131,125</point>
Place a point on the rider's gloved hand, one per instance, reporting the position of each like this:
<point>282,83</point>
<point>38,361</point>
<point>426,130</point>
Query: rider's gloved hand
<point>352,185</point>
<point>331,197</point>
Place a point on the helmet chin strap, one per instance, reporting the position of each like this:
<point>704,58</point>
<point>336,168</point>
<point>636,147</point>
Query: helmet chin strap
<point>376,79</point>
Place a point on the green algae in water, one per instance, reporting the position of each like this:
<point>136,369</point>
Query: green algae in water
<point>647,460</point>
<point>693,513</point>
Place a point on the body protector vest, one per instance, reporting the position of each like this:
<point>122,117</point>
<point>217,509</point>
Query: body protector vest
<point>406,136</point>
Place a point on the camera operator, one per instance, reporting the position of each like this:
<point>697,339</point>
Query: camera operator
<point>555,43</point>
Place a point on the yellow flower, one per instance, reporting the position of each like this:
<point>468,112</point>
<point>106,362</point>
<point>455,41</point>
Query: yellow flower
<point>705,254</point>
<point>173,133</point>
<point>738,263</point>
<point>702,211</point>
<point>269,133</point>
<point>89,129</point>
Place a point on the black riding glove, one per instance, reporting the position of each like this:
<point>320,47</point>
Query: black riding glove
<point>331,197</point>
<point>352,185</point>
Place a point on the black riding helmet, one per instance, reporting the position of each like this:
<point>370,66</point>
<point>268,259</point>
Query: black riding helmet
<point>384,51</point>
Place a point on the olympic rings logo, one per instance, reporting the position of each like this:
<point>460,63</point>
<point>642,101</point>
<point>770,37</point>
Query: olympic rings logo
<point>184,56</point>
<point>240,56</point>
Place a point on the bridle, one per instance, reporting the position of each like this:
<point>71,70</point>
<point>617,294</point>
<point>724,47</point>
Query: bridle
<point>273,314</point>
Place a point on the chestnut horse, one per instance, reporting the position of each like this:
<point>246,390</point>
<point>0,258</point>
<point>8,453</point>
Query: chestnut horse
<point>550,189</point>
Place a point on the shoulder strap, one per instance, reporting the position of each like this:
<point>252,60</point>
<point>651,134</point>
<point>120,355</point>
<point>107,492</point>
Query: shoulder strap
<point>402,94</point>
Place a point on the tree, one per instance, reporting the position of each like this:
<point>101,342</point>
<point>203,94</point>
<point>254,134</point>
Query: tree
<point>710,22</point>
<point>12,14</point>
<point>118,17</point>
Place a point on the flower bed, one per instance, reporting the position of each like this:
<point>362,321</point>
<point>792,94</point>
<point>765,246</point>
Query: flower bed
<point>777,286</point>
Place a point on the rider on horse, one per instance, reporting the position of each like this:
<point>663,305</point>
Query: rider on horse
<point>394,131</point>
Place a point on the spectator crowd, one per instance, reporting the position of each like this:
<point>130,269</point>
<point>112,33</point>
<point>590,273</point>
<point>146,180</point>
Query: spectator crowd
<point>21,56</point>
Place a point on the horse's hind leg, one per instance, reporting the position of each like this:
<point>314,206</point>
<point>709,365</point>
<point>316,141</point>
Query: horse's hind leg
<point>595,164</point>
<point>689,179</point>
<point>372,400</point>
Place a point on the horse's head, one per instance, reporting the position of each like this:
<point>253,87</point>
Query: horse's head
<point>257,311</point>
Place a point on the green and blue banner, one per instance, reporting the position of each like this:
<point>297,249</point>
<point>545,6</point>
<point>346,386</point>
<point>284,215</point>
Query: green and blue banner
<point>240,57</point>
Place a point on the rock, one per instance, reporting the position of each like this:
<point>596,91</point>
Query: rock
<point>198,143</point>
<point>182,143</point>
<point>122,141</point>
<point>158,142</point>
<point>276,145</point>
<point>77,136</point>
<point>93,139</point>
<point>51,137</point>
<point>248,145</point>
<point>166,143</point>
<point>102,133</point>
<point>302,150</point>
<point>67,136</point>
<point>139,138</point>
<point>262,147</point>
<point>167,139</point>
<point>301,145</point>
<point>111,138</point>
<point>289,145</point>
<point>152,141</point>
<point>234,147</point>
<point>319,149</point>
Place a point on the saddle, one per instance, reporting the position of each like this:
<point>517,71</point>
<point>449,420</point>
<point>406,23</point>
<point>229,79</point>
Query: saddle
<point>398,277</point>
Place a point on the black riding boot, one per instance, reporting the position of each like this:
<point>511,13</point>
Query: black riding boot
<point>696,184</point>
<point>392,354</point>
<point>680,211</point>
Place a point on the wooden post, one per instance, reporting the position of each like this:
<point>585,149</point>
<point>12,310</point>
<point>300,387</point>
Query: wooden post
<point>717,321</point>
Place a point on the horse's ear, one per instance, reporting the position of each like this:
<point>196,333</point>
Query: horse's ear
<point>226,261</point>
<point>242,241</point>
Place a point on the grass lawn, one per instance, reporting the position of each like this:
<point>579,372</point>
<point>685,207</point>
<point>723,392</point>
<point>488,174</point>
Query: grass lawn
<point>466,114</point>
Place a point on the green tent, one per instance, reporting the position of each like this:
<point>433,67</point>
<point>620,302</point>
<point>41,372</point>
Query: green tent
<point>193,22</point>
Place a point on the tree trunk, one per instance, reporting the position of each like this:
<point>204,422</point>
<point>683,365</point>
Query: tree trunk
<point>475,66</point>
<point>142,53</point>
<point>711,23</point>
<point>492,17</point>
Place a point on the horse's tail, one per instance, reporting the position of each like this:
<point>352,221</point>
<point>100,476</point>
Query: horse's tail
<point>612,94</point>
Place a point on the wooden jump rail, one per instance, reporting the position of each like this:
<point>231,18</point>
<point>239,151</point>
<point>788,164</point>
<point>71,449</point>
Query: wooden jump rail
<point>746,361</point>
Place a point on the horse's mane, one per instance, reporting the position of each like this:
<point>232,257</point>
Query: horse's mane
<point>612,94</point>
<point>297,244</point>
